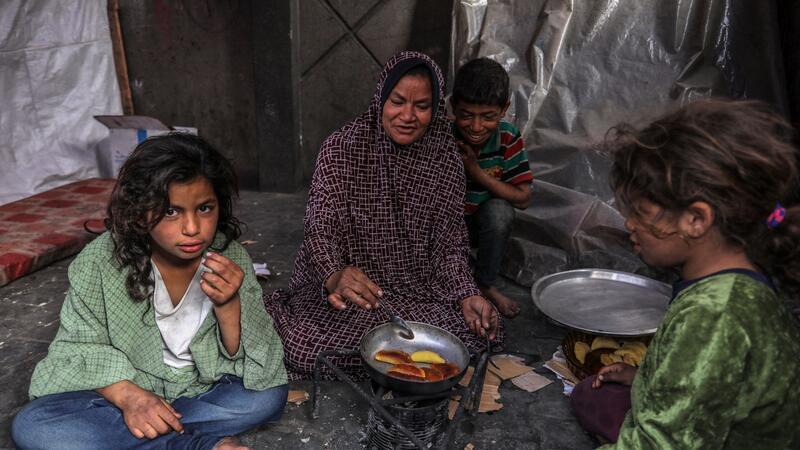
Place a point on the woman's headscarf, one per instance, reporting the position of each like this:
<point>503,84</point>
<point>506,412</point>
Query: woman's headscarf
<point>438,136</point>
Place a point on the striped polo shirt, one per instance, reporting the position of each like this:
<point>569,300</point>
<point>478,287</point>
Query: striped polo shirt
<point>503,157</point>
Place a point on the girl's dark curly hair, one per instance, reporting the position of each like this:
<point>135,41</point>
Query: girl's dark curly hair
<point>143,187</point>
<point>738,157</point>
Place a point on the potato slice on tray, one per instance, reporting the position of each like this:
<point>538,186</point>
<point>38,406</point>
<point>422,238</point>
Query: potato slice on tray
<point>604,342</point>
<point>581,349</point>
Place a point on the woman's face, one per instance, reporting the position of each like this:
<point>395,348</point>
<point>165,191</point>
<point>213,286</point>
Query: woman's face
<point>408,110</point>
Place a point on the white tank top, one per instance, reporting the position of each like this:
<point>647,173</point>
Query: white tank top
<point>178,324</point>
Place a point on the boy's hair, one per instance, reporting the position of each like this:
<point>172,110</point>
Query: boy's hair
<point>143,187</point>
<point>481,81</point>
<point>737,156</point>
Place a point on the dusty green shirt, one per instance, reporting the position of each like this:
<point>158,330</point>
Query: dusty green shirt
<point>105,336</point>
<point>722,372</point>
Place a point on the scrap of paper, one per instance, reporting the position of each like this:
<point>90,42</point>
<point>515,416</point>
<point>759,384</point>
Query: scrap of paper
<point>261,270</point>
<point>530,381</point>
<point>489,394</point>
<point>467,376</point>
<point>507,366</point>
<point>559,368</point>
<point>297,397</point>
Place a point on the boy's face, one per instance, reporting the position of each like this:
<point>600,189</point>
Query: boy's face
<point>476,123</point>
<point>189,226</point>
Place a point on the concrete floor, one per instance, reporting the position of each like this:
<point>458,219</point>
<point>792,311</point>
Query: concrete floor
<point>29,309</point>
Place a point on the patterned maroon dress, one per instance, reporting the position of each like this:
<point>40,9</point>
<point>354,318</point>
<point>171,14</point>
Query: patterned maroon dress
<point>397,213</point>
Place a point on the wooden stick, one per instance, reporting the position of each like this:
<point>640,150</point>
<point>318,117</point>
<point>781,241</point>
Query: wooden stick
<point>120,63</point>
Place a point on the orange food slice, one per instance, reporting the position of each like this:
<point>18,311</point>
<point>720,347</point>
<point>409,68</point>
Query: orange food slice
<point>433,374</point>
<point>447,369</point>
<point>407,371</point>
<point>392,356</point>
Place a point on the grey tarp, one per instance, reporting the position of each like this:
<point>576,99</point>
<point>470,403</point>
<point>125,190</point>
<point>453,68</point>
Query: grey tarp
<point>56,72</point>
<point>579,67</point>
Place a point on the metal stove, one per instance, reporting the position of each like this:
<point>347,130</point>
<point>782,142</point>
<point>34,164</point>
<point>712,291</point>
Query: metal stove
<point>399,421</point>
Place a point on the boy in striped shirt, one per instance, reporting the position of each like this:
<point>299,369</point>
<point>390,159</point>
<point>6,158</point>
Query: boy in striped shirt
<point>498,175</point>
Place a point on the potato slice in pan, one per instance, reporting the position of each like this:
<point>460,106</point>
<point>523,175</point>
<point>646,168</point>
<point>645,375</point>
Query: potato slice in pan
<point>447,369</point>
<point>427,356</point>
<point>392,356</point>
<point>407,371</point>
<point>433,374</point>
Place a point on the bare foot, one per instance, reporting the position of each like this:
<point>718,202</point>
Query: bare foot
<point>230,443</point>
<point>505,305</point>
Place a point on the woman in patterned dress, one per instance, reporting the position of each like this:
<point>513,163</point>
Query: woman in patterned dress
<point>384,225</point>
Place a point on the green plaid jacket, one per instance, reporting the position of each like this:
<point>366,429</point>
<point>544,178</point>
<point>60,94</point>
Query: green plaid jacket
<point>105,336</point>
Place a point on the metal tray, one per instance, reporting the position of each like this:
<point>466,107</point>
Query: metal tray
<point>603,301</point>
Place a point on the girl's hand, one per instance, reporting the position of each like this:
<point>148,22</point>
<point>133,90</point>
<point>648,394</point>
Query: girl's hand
<point>145,414</point>
<point>223,282</point>
<point>615,373</point>
<point>480,316</point>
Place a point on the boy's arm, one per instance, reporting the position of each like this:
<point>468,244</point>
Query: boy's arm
<point>519,195</point>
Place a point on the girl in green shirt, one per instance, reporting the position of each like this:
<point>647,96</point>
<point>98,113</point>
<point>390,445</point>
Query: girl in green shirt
<point>163,340</point>
<point>708,190</point>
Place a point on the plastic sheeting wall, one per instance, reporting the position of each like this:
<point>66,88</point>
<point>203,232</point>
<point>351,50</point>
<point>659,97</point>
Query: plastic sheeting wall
<point>56,72</point>
<point>580,67</point>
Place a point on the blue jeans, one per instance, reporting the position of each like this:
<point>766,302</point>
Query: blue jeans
<point>86,420</point>
<point>489,230</point>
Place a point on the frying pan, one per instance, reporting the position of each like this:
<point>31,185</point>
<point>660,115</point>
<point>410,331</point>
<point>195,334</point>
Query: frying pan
<point>426,337</point>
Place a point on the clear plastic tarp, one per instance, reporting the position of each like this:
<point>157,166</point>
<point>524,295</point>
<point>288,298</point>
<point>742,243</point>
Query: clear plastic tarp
<point>578,67</point>
<point>56,72</point>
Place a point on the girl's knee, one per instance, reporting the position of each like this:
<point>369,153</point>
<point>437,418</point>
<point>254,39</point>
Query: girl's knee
<point>272,402</point>
<point>25,427</point>
<point>32,428</point>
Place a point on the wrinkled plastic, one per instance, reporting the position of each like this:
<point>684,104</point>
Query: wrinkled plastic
<point>56,72</point>
<point>579,67</point>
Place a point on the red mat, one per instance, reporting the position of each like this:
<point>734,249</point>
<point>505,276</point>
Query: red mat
<point>46,227</point>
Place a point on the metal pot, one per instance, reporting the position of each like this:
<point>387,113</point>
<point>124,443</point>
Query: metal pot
<point>426,337</point>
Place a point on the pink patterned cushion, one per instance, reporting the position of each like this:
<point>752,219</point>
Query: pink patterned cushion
<point>46,227</point>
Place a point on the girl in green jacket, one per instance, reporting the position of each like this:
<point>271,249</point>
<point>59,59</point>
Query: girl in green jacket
<point>163,340</point>
<point>708,190</point>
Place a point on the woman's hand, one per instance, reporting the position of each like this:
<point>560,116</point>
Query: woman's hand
<point>615,373</point>
<point>480,316</point>
<point>223,282</point>
<point>353,285</point>
<point>146,414</point>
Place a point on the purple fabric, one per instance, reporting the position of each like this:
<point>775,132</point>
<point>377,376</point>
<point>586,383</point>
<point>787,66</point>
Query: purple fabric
<point>601,411</point>
<point>394,212</point>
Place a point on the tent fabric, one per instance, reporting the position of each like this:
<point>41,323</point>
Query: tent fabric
<point>56,72</point>
<point>579,67</point>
